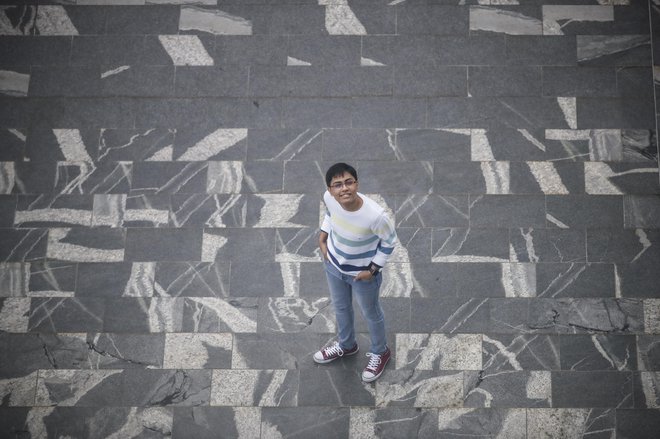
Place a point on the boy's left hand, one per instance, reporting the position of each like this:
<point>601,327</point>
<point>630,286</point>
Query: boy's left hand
<point>364,275</point>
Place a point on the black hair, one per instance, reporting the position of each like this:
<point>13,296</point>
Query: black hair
<point>339,169</point>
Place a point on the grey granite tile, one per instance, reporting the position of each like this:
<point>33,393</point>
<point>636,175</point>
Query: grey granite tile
<point>268,81</point>
<point>613,20</point>
<point>24,354</point>
<point>639,145</point>
<point>334,386</point>
<point>519,144</point>
<point>541,50</point>
<point>438,145</point>
<point>65,81</point>
<point>328,422</point>
<point>282,210</point>
<point>284,144</point>
<point>357,144</point>
<point>230,20</point>
<point>271,280</point>
<point>86,244</point>
<point>579,316</point>
<point>575,280</point>
<point>262,388</point>
<point>614,50</point>
<point>384,112</point>
<point>107,51</point>
<point>147,211</point>
<point>592,389</point>
<point>511,20</point>
<point>238,245</point>
<point>295,315</point>
<point>274,351</point>
<point>627,113</point>
<point>393,178</point>
<point>508,389</point>
<point>66,315</point>
<point>19,19</point>
<point>648,352</point>
<point>373,20</point>
<point>428,280</point>
<point>14,314</point>
<point>135,145</point>
<point>305,177</point>
<point>84,20</point>
<point>186,112</point>
<point>50,278</point>
<point>138,81</point>
<point>187,279</point>
<point>197,351</point>
<point>414,245</point>
<point>507,211</point>
<point>331,81</point>
<point>459,422</point>
<point>431,211</point>
<point>637,423</point>
<point>251,50</point>
<point>23,245</point>
<point>169,178</point>
<point>143,315</point>
<point>163,244</point>
<point>438,352</point>
<point>422,81</point>
<point>211,81</point>
<point>634,81</point>
<point>42,51</point>
<point>13,279</point>
<point>496,280</point>
<point>432,19</point>
<point>393,422</point>
<point>7,210</point>
<point>449,315</point>
<point>419,389</point>
<point>317,113</point>
<point>209,143</point>
<point>636,279</point>
<point>201,210</point>
<point>53,211</point>
<point>205,422</point>
<point>505,81</point>
<point>503,352</point>
<point>470,245</point>
<point>641,211</point>
<point>45,144</point>
<point>548,245</point>
<point>623,246</point>
<point>294,20</point>
<point>313,281</point>
<point>546,177</point>
<point>213,314</point>
<point>298,245</point>
<point>510,315</point>
<point>109,210</point>
<point>620,178</point>
<point>580,81</point>
<point>598,352</point>
<point>119,279</point>
<point>158,19</point>
<point>578,211</point>
<point>91,112</point>
<point>598,423</point>
<point>13,142</point>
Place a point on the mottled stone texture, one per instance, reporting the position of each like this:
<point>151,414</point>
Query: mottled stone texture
<point>161,170</point>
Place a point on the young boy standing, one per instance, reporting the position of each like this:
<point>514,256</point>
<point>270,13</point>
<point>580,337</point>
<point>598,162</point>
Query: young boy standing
<point>356,239</point>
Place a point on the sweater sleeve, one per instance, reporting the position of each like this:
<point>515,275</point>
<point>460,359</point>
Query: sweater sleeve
<point>326,226</point>
<point>384,229</point>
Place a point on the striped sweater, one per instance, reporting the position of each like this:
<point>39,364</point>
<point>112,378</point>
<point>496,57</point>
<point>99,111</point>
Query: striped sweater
<point>357,238</point>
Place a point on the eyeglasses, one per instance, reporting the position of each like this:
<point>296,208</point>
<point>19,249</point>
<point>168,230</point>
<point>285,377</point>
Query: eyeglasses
<point>340,184</point>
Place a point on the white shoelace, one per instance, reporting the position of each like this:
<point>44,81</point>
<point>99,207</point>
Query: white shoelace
<point>374,361</point>
<point>334,349</point>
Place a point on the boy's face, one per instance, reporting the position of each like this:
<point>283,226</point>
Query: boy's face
<point>344,189</point>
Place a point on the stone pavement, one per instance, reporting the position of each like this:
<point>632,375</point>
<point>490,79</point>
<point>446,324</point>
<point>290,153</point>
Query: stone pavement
<point>160,181</point>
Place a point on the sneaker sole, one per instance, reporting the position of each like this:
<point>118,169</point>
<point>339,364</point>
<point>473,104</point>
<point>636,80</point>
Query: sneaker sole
<point>333,359</point>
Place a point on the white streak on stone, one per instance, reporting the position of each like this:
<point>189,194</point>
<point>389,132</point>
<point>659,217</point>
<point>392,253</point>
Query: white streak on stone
<point>25,22</point>
<point>278,209</point>
<point>183,2</point>
<point>54,20</point>
<point>651,389</point>
<point>652,316</point>
<point>231,316</point>
<point>152,419</point>
<point>109,210</point>
<point>19,391</point>
<point>14,315</point>
<point>553,14</point>
<point>141,282</point>
<point>79,383</point>
<point>605,145</point>
<point>185,50</point>
<point>555,221</point>
<point>496,176</point>
<point>114,71</point>
<point>14,83</point>
<point>436,391</point>
<point>568,134</point>
<point>225,177</point>
<point>502,350</point>
<point>291,61</point>
<point>591,47</point>
<point>72,145</point>
<point>367,62</point>
<point>191,351</point>
<point>568,106</point>
<point>617,283</point>
<point>154,216</point>
<point>213,21</point>
<point>164,155</point>
<point>597,177</point>
<point>527,135</point>
<point>210,245</point>
<point>69,216</point>
<point>539,385</point>
<point>17,133</point>
<point>7,177</point>
<point>480,149</point>
<point>519,280</point>
<point>297,145</point>
<point>529,245</point>
<point>503,21</point>
<point>290,278</point>
<point>78,253</point>
<point>395,2</point>
<point>213,144</point>
<point>340,18</point>
<point>547,177</point>
<point>644,240</point>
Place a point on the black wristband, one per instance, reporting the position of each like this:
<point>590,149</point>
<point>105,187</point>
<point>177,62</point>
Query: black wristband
<point>373,269</point>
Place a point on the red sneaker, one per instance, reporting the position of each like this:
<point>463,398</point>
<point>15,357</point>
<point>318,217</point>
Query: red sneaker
<point>376,366</point>
<point>332,352</point>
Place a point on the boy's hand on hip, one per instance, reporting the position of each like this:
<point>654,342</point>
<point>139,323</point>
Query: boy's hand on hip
<point>364,275</point>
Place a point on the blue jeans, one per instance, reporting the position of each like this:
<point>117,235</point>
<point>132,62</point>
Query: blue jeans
<point>342,286</point>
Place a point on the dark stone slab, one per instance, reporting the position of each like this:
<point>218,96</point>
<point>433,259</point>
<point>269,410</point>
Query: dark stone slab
<point>206,422</point>
<point>505,81</point>
<point>201,81</point>
<point>211,314</point>
<point>459,422</point>
<point>520,352</point>
<point>333,50</point>
<point>7,209</point>
<point>353,144</point>
<point>470,245</point>
<point>578,211</point>
<point>342,81</point>
<point>432,19</point>
<point>45,144</point>
<point>147,210</point>
<point>22,245</point>
<point>163,245</point>
<point>201,210</point>
<point>275,351</point>
<point>491,280</point>
<point>176,279</point>
<point>614,50</point>
<point>107,51</point>
<point>510,315</point>
<point>592,389</point>
<point>327,422</point>
<point>297,245</point>
<point>268,81</point>
<point>384,112</point>
<point>615,113</point>
<point>188,112</point>
<point>42,51</point>
<point>283,144</point>
<point>81,244</point>
<point>422,81</point>
<point>133,145</point>
<point>598,352</point>
<point>638,279</point>
<point>507,211</point>
<point>416,242</point>
<point>250,50</point>
<point>431,211</point>
<point>449,315</point>
<point>648,352</point>
<point>294,315</point>
<point>86,20</point>
<point>23,354</point>
<point>65,81</point>
<point>15,111</point>
<point>294,20</point>
<point>50,315</point>
<point>88,112</point>
<point>51,278</point>
<point>113,280</point>
<point>53,211</point>
<point>407,388</point>
<point>270,281</point>
<point>169,177</point>
<point>579,81</point>
<point>317,113</point>
<point>547,50</point>
<point>149,19</point>
<point>639,145</point>
<point>549,178</point>
<point>241,245</point>
<point>34,177</point>
<point>13,144</point>
<point>138,81</point>
<point>634,81</point>
<point>575,280</point>
<point>548,245</point>
<point>401,177</point>
<point>437,145</point>
<point>334,386</point>
<point>305,177</point>
<point>508,389</point>
<point>143,315</point>
<point>623,246</point>
<point>638,424</point>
